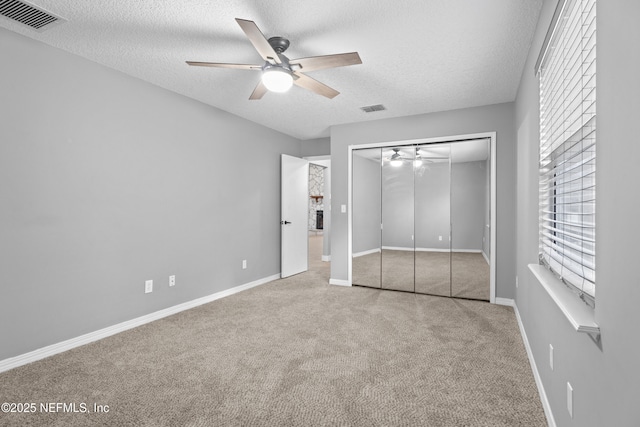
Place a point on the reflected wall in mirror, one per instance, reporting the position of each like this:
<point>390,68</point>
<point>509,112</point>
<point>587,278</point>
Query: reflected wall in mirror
<point>470,219</point>
<point>366,210</point>
<point>432,223</point>
<point>397,219</point>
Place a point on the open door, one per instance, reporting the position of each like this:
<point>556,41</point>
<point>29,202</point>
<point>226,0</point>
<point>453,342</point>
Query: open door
<point>294,194</point>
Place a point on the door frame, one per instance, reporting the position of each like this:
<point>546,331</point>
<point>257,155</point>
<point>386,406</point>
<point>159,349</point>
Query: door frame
<point>442,139</point>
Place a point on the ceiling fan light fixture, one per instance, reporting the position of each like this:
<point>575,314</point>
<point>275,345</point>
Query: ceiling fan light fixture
<point>396,159</point>
<point>418,160</point>
<point>278,72</point>
<point>277,79</point>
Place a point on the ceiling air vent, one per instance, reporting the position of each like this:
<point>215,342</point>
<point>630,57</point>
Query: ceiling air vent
<point>28,14</point>
<point>372,108</point>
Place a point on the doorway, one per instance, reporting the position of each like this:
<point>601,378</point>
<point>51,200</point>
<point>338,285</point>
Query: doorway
<point>305,183</point>
<point>421,217</point>
<point>319,200</point>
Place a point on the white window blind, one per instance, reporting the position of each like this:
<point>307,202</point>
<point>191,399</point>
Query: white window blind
<point>568,147</point>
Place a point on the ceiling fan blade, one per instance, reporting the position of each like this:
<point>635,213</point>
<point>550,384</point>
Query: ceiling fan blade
<point>314,86</point>
<point>258,40</point>
<point>225,65</point>
<point>327,61</point>
<point>259,91</point>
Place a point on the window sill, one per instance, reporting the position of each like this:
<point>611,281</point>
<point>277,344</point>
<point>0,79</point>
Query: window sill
<point>580,315</point>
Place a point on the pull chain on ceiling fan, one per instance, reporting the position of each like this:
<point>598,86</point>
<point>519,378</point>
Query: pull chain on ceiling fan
<point>279,73</point>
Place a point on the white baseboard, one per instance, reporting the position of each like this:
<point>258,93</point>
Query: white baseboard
<point>505,301</point>
<point>339,282</point>
<point>363,253</point>
<point>41,353</point>
<point>486,258</point>
<point>432,250</point>
<point>536,375</point>
<point>326,258</point>
<point>467,251</point>
<point>400,248</point>
<point>397,248</point>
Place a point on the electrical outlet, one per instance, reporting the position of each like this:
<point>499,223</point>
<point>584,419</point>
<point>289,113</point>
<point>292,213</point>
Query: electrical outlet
<point>244,264</point>
<point>551,356</point>
<point>172,280</point>
<point>148,286</point>
<point>570,399</point>
<point>439,237</point>
<point>516,281</point>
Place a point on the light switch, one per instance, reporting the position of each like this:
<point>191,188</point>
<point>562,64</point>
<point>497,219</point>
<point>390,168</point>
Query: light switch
<point>343,208</point>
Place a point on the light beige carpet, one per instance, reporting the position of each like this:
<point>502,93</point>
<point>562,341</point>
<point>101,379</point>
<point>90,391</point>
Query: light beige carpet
<point>459,274</point>
<point>296,352</point>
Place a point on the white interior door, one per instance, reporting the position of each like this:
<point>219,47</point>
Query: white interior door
<point>294,215</point>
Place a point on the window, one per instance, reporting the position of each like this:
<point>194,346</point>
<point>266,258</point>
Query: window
<point>567,70</point>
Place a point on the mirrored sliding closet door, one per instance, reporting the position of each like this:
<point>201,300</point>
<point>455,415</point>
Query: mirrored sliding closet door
<point>421,216</point>
<point>470,219</point>
<point>366,205</point>
<point>432,219</point>
<point>397,219</point>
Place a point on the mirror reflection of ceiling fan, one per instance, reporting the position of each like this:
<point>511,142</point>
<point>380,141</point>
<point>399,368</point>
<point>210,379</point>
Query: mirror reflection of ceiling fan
<point>279,73</point>
<point>396,159</point>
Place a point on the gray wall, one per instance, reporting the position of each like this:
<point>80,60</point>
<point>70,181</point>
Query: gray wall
<point>397,205</point>
<point>498,118</point>
<point>442,199</point>
<point>433,205</point>
<point>439,197</point>
<point>366,204</point>
<point>315,147</point>
<point>468,201</point>
<point>605,377</point>
<point>107,181</point>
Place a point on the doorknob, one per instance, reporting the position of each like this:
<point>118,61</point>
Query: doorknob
<point>285,222</point>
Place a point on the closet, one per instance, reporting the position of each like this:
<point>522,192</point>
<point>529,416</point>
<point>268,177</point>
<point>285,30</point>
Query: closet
<point>421,218</point>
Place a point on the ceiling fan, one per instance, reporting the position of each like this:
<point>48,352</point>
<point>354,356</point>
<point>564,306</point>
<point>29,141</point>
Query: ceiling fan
<point>280,72</point>
<point>397,159</point>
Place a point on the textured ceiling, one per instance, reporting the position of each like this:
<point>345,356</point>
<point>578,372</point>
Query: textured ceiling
<point>418,56</point>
